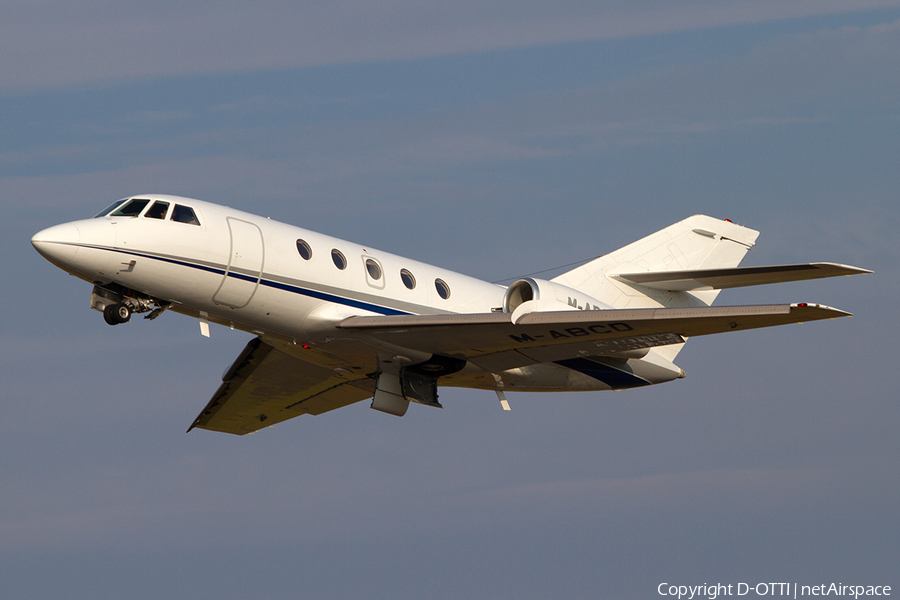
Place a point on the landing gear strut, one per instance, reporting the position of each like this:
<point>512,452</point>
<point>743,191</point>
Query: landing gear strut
<point>118,303</point>
<point>117,313</point>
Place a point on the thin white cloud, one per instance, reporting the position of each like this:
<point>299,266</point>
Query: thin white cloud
<point>53,43</point>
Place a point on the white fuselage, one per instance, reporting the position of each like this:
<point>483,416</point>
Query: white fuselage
<point>246,271</point>
<point>291,286</point>
<point>337,322</point>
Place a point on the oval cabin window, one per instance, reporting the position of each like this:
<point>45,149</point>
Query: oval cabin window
<point>442,288</point>
<point>304,249</point>
<point>408,279</point>
<point>373,269</point>
<point>339,261</point>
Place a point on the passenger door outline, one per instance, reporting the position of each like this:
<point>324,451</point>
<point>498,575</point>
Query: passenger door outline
<point>246,259</point>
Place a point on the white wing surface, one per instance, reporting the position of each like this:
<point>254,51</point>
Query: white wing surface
<point>609,331</point>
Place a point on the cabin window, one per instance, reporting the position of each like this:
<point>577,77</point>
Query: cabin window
<point>157,211</point>
<point>131,209</point>
<point>442,288</point>
<point>408,280</point>
<point>373,269</point>
<point>110,208</point>
<point>339,261</point>
<point>304,249</point>
<point>184,214</point>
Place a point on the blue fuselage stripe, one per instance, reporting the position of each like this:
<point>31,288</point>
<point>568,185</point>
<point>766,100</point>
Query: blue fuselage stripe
<point>614,378</point>
<point>384,310</point>
<point>294,289</point>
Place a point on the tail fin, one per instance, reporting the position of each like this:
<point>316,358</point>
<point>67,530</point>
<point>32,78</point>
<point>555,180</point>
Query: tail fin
<point>698,242</point>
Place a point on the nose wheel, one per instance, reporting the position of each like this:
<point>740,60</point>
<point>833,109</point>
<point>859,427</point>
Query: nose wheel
<point>114,314</point>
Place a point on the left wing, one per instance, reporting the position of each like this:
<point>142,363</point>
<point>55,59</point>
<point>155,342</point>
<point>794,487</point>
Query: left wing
<point>266,386</point>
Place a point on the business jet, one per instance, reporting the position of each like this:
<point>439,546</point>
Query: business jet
<point>337,323</point>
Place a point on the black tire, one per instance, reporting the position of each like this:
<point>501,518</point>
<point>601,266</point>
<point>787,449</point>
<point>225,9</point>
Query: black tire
<point>116,313</point>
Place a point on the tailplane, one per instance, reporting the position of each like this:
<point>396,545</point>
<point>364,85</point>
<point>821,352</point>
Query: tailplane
<point>698,242</point>
<point>685,265</point>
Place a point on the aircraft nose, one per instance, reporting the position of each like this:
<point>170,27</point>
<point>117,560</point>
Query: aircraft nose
<point>58,244</point>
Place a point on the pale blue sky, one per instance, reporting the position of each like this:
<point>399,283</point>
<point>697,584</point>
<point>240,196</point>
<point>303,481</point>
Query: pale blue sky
<point>497,139</point>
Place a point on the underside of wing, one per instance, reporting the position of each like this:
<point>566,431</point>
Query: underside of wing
<point>717,279</point>
<point>266,386</point>
<point>555,335</point>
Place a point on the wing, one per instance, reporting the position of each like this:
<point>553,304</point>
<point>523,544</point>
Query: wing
<point>717,279</point>
<point>265,386</point>
<point>494,342</point>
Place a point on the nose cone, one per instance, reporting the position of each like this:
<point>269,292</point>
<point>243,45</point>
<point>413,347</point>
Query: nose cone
<point>58,244</point>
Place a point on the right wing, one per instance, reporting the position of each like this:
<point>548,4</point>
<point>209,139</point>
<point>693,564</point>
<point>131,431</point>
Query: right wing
<point>266,386</point>
<point>494,342</point>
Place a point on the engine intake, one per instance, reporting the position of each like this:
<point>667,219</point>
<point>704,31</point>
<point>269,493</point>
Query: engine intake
<point>539,295</point>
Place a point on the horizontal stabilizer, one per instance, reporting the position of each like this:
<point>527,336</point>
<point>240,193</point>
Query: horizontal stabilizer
<point>717,279</point>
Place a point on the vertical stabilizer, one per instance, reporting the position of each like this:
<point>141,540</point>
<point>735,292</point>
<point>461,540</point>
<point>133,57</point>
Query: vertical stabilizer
<point>698,242</point>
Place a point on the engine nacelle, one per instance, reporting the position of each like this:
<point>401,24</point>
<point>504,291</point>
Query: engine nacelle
<point>396,387</point>
<point>539,295</point>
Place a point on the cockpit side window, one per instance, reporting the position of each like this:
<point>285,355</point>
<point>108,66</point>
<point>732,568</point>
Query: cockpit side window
<point>110,208</point>
<point>184,214</point>
<point>157,211</point>
<point>131,209</point>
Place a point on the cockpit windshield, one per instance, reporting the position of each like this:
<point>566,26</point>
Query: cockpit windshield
<point>110,208</point>
<point>133,207</point>
<point>158,210</point>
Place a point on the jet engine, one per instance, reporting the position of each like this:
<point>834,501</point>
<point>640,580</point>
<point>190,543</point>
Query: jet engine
<point>396,387</point>
<point>539,295</point>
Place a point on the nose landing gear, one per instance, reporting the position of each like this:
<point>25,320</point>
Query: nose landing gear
<point>118,304</point>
